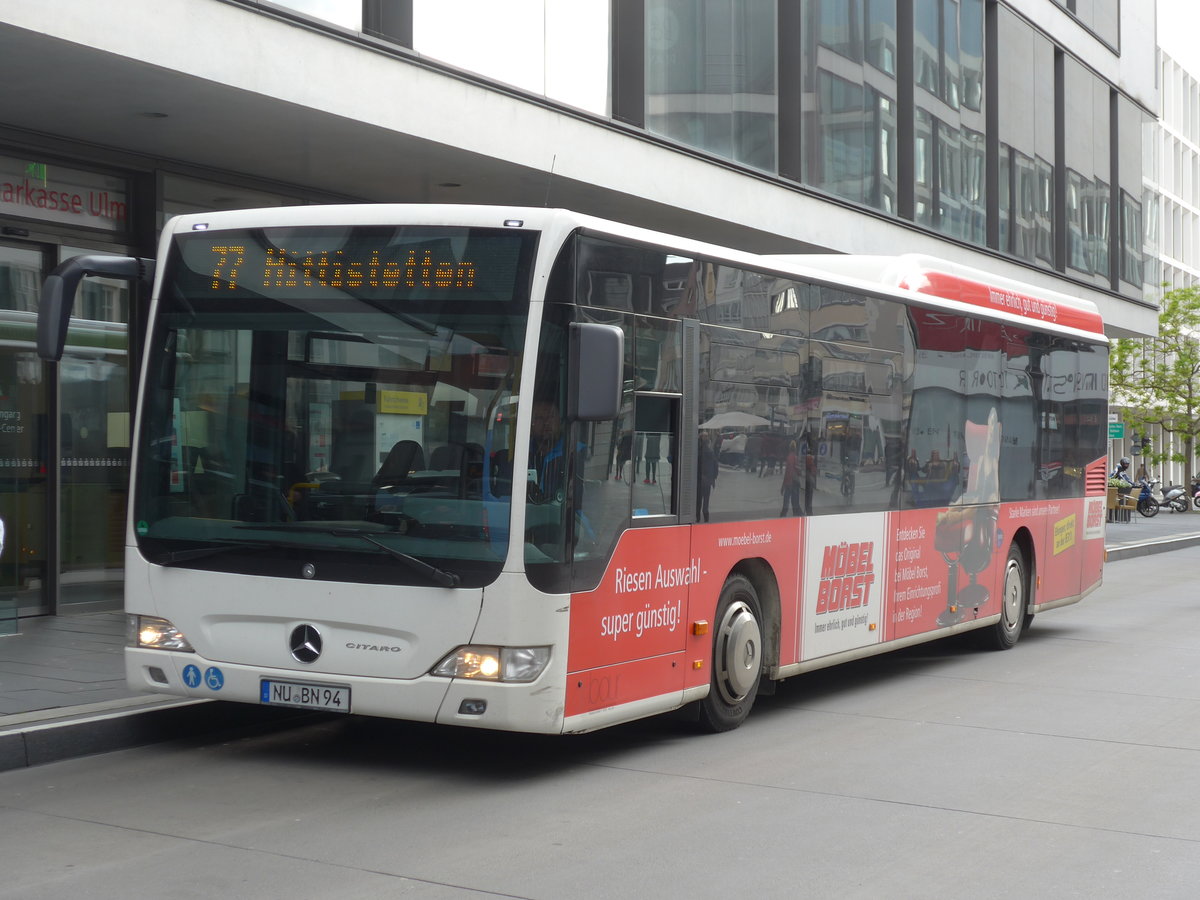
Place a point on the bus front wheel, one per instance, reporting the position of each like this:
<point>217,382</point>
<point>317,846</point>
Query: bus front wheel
<point>737,657</point>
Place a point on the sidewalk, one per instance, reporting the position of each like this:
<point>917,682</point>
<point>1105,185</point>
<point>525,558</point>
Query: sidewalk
<point>62,680</point>
<point>1140,536</point>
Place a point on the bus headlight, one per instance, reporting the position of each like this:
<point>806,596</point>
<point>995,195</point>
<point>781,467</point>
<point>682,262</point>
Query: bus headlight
<point>150,632</point>
<point>506,664</point>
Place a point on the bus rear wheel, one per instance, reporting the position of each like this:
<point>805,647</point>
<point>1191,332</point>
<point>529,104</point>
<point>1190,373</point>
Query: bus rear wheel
<point>1014,603</point>
<point>737,657</point>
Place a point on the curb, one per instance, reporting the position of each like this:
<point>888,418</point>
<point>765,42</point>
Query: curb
<point>38,738</point>
<point>1146,548</point>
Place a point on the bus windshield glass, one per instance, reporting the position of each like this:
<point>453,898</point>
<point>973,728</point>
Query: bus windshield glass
<point>329,399</point>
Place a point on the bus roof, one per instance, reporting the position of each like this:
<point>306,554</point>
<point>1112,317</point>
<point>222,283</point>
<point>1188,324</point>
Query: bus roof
<point>900,274</point>
<point>954,281</point>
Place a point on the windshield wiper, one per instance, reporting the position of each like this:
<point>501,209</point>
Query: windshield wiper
<point>441,576</point>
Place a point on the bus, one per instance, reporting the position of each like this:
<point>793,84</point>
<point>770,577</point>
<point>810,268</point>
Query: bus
<point>530,470</point>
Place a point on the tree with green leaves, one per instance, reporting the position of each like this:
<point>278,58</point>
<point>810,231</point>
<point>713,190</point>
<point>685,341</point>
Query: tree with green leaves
<point>1156,380</point>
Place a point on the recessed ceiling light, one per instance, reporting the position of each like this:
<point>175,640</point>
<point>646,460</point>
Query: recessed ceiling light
<point>449,184</point>
<point>153,115</point>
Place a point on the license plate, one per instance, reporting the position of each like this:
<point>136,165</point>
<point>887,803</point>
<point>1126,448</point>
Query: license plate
<point>302,695</point>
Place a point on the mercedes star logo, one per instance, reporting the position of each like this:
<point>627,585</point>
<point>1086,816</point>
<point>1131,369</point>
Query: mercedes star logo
<point>305,643</point>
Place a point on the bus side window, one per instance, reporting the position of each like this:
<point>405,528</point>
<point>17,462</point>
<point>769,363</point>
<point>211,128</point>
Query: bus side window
<point>652,472</point>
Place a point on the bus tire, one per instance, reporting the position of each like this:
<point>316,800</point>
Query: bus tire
<point>737,658</point>
<point>1014,603</point>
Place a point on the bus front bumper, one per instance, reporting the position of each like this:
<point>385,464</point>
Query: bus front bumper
<point>536,707</point>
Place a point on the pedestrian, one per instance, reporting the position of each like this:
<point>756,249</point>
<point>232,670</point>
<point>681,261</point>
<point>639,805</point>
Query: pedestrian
<point>653,454</point>
<point>624,449</point>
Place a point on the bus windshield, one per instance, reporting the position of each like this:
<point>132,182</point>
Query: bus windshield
<point>330,399</point>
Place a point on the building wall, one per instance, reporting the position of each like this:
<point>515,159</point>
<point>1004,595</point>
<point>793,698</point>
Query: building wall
<point>1174,176</point>
<point>1172,182</point>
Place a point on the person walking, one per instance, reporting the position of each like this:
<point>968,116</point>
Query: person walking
<point>653,454</point>
<point>624,450</point>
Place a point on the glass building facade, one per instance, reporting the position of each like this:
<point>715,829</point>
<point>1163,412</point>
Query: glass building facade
<point>960,117</point>
<point>710,76</point>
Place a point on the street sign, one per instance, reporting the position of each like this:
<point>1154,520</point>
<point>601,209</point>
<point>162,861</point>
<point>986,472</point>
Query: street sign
<point>1116,431</point>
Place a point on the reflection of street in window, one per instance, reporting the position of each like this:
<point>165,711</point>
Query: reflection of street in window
<point>546,452</point>
<point>653,455</point>
<point>706,472</point>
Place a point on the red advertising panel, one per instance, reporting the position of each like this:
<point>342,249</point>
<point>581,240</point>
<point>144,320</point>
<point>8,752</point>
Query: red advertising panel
<point>849,582</point>
<point>658,600</point>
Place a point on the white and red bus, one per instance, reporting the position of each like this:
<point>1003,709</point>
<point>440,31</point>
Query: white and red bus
<point>526,469</point>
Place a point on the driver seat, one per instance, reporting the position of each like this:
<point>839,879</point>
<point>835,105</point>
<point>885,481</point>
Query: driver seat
<point>404,458</point>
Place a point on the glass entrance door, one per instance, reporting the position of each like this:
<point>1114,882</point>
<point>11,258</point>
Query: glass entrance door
<point>91,409</point>
<point>94,432</point>
<point>24,458</point>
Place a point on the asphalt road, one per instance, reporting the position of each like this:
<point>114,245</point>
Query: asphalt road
<point>1066,767</point>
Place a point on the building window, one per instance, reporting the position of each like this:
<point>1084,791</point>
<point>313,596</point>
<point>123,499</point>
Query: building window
<point>1088,163</point>
<point>948,51</point>
<point>949,153</point>
<point>710,76</point>
<point>1026,139</point>
<point>850,90</point>
<point>881,35</point>
<point>1131,121</point>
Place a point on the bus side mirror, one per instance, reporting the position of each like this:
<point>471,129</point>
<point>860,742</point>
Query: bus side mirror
<point>597,372</point>
<point>58,294</point>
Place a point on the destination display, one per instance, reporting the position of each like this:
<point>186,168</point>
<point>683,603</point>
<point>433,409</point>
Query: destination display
<point>400,261</point>
<point>337,269</point>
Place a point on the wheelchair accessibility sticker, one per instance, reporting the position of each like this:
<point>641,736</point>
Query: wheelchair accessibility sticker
<point>214,678</point>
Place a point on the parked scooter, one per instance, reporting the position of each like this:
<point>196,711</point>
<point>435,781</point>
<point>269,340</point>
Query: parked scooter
<point>1174,498</point>
<point>1196,493</point>
<point>1146,504</point>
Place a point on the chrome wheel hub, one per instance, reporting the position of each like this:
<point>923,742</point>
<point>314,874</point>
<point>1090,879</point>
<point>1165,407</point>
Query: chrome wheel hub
<point>739,651</point>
